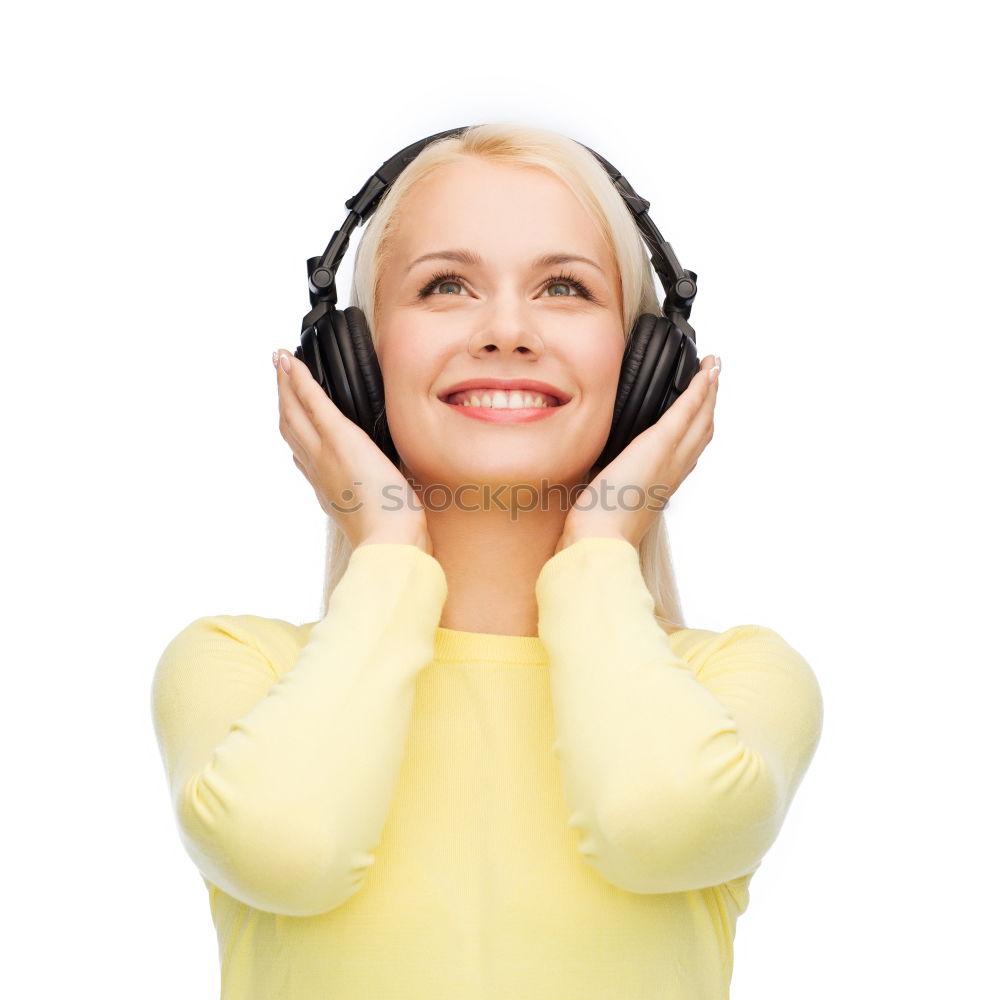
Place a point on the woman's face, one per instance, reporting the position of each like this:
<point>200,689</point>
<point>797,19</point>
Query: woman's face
<point>502,316</point>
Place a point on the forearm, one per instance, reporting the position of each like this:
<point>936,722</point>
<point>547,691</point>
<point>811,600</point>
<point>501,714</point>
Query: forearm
<point>675,780</point>
<point>287,808</point>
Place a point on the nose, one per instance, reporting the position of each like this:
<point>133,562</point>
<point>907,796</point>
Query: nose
<point>506,330</point>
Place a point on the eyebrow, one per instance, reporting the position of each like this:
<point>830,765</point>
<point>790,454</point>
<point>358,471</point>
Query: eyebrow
<point>472,259</point>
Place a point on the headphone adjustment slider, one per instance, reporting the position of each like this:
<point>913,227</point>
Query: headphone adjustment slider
<point>363,203</point>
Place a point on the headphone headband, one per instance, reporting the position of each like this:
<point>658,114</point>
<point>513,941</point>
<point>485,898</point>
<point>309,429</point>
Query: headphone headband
<point>680,285</point>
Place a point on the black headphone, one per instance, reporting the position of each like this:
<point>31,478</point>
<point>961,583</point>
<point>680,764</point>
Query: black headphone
<point>660,361</point>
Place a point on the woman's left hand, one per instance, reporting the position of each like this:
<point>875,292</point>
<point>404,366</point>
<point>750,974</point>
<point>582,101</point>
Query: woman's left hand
<point>636,485</point>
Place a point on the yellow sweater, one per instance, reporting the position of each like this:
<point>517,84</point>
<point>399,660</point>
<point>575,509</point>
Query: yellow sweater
<point>382,808</point>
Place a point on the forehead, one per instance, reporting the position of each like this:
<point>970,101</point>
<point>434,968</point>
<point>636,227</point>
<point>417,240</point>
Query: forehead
<point>508,211</point>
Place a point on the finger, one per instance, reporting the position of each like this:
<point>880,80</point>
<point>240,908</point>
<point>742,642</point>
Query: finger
<point>679,415</point>
<point>299,453</point>
<point>321,411</point>
<point>294,422</point>
<point>297,429</point>
<point>294,430</point>
<point>706,364</point>
<point>702,427</point>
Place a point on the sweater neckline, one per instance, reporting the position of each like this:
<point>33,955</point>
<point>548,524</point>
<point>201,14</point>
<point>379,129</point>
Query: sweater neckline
<point>453,645</point>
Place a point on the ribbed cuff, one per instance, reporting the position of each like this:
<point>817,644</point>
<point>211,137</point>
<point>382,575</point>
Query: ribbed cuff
<point>389,582</point>
<point>593,597</point>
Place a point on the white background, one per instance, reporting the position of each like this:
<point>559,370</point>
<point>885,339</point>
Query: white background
<point>829,171</point>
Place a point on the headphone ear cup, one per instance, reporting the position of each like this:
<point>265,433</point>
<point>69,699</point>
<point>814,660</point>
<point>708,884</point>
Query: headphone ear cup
<point>339,352</point>
<point>366,376</point>
<point>659,363</point>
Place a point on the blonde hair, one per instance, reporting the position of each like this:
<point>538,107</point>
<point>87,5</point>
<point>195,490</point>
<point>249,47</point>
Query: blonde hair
<point>524,145</point>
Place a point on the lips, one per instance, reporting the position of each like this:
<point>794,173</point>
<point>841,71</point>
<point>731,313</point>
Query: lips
<point>509,385</point>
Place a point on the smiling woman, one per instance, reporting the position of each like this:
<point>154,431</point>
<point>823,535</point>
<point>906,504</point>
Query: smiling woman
<point>499,765</point>
<point>497,319</point>
<point>512,205</point>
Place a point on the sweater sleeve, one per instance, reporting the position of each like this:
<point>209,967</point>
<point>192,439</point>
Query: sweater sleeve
<point>678,772</point>
<point>282,779</point>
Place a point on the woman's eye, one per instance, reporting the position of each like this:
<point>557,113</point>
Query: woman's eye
<point>440,281</point>
<point>565,287</point>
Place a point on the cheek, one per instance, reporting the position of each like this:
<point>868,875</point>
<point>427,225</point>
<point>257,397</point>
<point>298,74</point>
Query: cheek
<point>398,361</point>
<point>408,374</point>
<point>601,362</point>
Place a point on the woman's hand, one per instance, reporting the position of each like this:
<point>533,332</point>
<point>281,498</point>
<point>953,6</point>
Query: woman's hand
<point>635,487</point>
<point>354,481</point>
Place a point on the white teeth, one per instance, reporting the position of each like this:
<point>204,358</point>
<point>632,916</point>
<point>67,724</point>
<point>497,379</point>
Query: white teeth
<point>498,399</point>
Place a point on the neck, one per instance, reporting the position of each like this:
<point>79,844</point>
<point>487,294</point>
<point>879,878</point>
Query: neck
<point>491,563</point>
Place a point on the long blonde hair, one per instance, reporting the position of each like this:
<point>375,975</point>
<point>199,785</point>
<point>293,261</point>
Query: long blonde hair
<point>518,144</point>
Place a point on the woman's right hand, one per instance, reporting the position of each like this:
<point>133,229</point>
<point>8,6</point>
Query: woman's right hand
<point>347,470</point>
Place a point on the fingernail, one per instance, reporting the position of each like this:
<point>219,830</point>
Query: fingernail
<point>274,358</point>
<point>286,365</point>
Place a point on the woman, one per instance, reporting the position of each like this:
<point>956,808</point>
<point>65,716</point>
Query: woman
<point>499,765</point>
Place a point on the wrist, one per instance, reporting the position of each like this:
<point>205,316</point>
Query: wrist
<point>569,537</point>
<point>409,535</point>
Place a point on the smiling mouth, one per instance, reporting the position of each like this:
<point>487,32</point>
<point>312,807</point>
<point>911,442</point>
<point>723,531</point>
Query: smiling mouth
<point>494,399</point>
